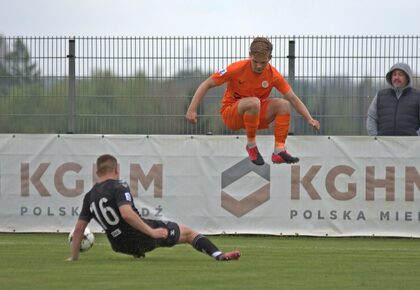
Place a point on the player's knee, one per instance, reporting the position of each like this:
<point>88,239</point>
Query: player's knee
<point>250,105</point>
<point>187,234</point>
<point>282,106</point>
<point>254,102</point>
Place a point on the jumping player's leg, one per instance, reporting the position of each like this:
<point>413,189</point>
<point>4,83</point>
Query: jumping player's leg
<point>245,113</point>
<point>249,109</point>
<point>278,110</point>
<point>204,245</point>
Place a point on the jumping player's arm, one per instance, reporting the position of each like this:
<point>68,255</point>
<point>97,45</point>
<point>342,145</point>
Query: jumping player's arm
<point>301,109</point>
<point>79,229</point>
<point>133,219</point>
<point>201,91</point>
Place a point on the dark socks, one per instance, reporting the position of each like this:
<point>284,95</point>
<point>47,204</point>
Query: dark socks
<point>204,245</point>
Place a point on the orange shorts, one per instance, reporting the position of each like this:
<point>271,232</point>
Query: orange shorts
<point>234,121</point>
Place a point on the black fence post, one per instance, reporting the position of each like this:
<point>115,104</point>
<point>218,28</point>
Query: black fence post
<point>291,80</point>
<point>291,58</point>
<point>71,115</point>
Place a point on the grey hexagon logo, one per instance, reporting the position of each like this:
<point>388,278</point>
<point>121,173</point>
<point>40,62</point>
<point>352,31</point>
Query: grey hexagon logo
<point>232,175</point>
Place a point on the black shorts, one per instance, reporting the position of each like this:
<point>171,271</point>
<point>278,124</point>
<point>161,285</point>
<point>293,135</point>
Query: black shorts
<point>136,243</point>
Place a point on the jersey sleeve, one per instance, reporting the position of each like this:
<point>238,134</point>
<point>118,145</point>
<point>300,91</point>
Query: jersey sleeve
<point>123,194</point>
<point>223,75</point>
<point>85,214</point>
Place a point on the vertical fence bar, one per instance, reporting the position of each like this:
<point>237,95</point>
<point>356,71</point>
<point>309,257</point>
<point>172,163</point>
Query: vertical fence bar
<point>71,117</point>
<point>292,58</point>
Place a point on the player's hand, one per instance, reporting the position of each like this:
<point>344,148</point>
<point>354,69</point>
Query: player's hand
<point>191,116</point>
<point>160,233</point>
<point>314,124</point>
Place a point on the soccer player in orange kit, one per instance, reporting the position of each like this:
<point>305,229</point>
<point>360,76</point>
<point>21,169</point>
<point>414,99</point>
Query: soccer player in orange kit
<point>246,103</point>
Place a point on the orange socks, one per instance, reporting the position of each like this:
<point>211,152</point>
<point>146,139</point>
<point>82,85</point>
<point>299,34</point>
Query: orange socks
<point>281,129</point>
<point>251,123</point>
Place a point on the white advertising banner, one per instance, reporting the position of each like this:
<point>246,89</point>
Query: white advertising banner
<point>342,186</point>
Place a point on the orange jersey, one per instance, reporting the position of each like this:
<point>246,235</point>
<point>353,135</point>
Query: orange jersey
<point>242,82</point>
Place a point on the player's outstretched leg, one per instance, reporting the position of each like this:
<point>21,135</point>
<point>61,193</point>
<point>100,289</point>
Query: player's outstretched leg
<point>204,245</point>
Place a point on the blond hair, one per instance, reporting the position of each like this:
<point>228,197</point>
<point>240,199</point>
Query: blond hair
<point>261,46</point>
<point>106,164</point>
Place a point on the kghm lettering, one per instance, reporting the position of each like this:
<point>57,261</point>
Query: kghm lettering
<point>32,175</point>
<point>372,181</point>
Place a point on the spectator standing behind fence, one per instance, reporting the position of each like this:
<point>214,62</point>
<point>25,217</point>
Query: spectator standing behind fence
<point>246,103</point>
<point>395,111</point>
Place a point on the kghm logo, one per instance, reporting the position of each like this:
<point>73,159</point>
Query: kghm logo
<point>239,173</point>
<point>35,177</point>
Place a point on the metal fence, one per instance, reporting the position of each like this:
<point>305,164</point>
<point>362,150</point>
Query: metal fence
<point>143,85</point>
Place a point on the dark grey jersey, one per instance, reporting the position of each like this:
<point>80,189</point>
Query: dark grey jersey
<point>102,202</point>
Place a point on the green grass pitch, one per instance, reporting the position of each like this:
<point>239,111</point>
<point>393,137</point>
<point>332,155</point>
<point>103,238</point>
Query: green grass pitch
<point>37,261</point>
